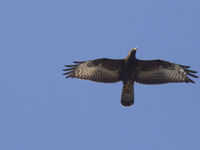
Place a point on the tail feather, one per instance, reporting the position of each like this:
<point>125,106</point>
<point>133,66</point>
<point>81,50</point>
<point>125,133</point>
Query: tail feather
<point>127,98</point>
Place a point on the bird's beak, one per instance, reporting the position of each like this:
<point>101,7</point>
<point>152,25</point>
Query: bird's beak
<point>134,49</point>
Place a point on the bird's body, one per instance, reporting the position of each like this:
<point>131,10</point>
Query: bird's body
<point>129,70</point>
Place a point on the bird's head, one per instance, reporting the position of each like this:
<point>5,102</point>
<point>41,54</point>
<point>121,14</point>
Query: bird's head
<point>131,54</point>
<point>133,50</point>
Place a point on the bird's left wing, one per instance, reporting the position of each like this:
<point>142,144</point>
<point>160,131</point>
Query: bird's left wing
<point>159,71</point>
<point>98,70</point>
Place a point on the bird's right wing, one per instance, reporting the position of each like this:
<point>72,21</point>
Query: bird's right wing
<point>159,71</point>
<point>98,70</point>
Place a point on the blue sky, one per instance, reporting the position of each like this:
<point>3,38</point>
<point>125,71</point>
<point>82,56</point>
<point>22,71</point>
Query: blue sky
<point>39,109</point>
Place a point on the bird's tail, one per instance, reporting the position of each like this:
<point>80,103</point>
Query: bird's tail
<point>127,98</point>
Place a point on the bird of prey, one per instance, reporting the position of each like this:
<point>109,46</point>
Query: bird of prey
<point>130,70</point>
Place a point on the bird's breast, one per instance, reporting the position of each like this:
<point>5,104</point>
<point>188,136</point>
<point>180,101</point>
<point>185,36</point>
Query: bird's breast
<point>130,72</point>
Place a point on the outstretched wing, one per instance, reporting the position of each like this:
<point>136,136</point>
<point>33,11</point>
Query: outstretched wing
<point>98,70</point>
<point>159,71</point>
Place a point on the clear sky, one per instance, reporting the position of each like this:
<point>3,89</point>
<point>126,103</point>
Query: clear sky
<point>41,110</point>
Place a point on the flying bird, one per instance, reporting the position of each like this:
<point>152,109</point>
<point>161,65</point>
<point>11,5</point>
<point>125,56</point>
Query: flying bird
<point>130,70</point>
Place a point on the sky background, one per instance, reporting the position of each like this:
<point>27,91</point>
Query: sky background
<point>41,110</point>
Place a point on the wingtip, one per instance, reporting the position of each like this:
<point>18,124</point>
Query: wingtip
<point>71,65</point>
<point>184,66</point>
<point>192,81</point>
<point>192,75</point>
<point>78,62</point>
<point>68,69</point>
<point>67,76</point>
<point>66,73</point>
<point>190,71</point>
<point>188,80</point>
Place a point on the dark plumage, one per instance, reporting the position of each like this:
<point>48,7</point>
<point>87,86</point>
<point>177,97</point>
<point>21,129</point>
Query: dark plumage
<point>129,70</point>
